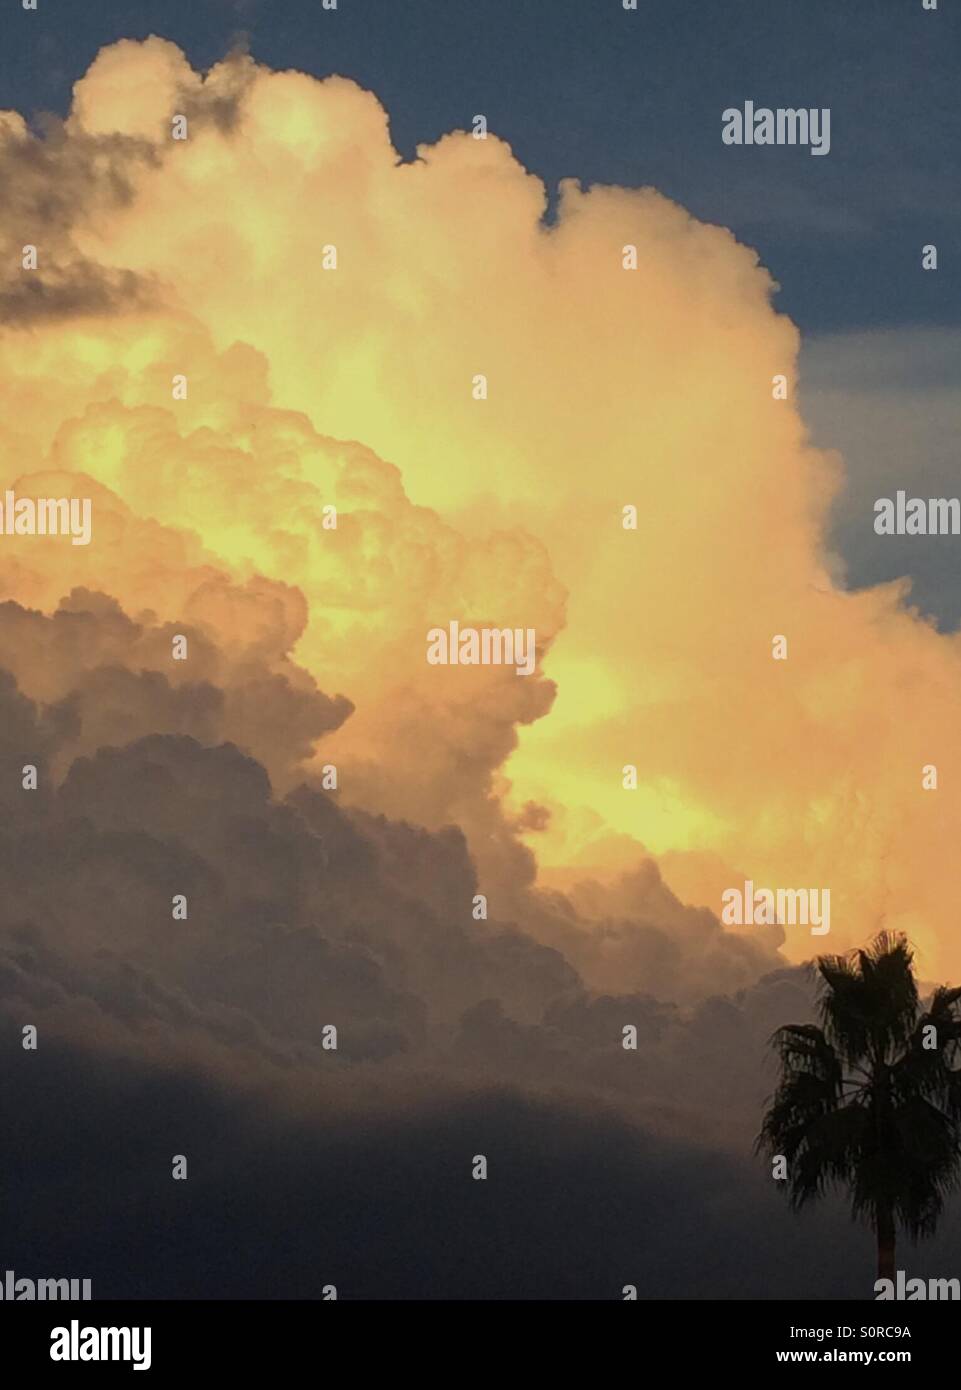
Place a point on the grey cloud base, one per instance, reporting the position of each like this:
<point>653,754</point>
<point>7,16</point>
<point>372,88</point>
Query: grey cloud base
<point>204,1037</point>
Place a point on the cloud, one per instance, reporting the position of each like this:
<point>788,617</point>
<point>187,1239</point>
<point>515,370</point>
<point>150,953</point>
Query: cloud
<point>576,1205</point>
<point>309,906</point>
<point>654,645</point>
<point>454,1037</point>
<point>154,802</point>
<point>52,180</point>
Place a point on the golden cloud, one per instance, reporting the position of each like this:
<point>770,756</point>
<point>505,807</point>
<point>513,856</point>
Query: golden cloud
<point>352,387</point>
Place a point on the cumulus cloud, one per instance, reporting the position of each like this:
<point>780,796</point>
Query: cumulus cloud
<point>312,392</point>
<point>161,794</point>
<point>654,646</point>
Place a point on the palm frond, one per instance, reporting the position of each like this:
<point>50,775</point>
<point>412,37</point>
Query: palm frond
<point>870,1098</point>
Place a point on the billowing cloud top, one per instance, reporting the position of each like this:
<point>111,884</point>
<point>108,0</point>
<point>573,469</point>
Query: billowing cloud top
<point>606,388</point>
<point>327,310</point>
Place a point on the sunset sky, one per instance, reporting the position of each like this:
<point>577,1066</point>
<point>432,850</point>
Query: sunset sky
<point>353,386</point>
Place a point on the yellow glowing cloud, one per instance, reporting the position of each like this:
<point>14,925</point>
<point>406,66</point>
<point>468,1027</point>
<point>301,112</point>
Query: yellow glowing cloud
<point>606,388</point>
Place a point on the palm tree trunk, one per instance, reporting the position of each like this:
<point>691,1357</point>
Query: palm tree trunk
<point>885,1230</point>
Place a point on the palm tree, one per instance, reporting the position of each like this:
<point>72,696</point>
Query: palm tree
<point>871,1100</point>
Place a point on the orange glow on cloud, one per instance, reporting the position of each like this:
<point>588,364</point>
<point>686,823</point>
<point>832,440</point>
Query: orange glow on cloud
<point>352,387</point>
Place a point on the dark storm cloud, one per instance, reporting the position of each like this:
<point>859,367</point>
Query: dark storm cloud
<point>456,1037</point>
<point>301,913</point>
<point>310,1167</point>
<point>105,678</point>
<point>578,1203</point>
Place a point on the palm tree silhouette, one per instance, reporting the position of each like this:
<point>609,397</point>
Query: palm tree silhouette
<point>871,1100</point>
